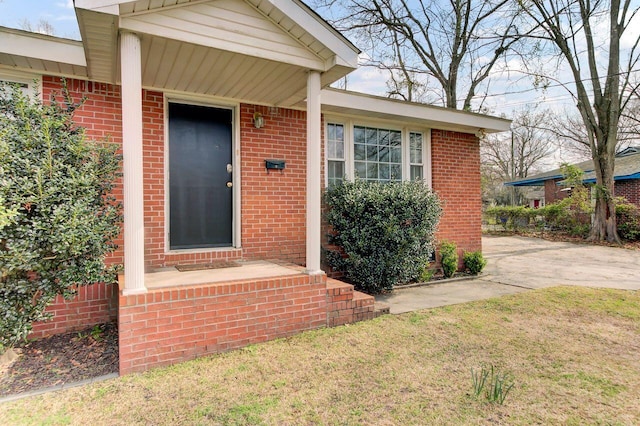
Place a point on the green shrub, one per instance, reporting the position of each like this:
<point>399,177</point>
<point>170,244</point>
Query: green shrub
<point>383,231</point>
<point>56,186</point>
<point>628,219</point>
<point>474,261</point>
<point>511,217</point>
<point>427,274</point>
<point>449,258</point>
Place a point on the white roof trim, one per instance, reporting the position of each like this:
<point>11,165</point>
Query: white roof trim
<point>105,6</point>
<point>347,53</point>
<point>358,104</point>
<point>40,46</point>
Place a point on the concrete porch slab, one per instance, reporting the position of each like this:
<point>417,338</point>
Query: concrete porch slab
<point>248,270</point>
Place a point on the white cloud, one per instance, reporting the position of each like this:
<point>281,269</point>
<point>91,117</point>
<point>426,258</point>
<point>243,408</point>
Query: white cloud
<point>68,4</point>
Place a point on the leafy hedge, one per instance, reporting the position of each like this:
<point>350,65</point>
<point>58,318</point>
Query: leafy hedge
<point>628,219</point>
<point>58,218</point>
<point>383,232</point>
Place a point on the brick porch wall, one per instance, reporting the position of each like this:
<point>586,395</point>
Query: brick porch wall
<point>166,326</point>
<point>456,179</point>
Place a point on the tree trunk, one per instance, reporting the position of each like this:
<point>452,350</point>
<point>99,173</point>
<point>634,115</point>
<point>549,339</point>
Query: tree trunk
<point>604,225</point>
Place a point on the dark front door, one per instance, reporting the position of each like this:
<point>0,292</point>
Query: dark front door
<point>200,193</point>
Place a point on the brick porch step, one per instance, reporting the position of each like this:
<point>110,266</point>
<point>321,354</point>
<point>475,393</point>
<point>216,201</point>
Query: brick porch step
<point>346,306</point>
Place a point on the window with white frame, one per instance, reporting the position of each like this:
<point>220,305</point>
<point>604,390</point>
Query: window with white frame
<point>416,157</point>
<point>335,153</point>
<point>375,153</point>
<point>26,82</point>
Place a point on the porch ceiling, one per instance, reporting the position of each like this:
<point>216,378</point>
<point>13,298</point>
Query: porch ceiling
<point>250,50</point>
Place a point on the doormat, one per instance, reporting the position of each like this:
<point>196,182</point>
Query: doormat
<point>203,266</point>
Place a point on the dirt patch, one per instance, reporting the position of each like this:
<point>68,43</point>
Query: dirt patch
<point>61,359</point>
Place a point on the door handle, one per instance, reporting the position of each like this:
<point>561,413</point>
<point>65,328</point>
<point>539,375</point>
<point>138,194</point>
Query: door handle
<point>229,168</point>
<point>229,184</point>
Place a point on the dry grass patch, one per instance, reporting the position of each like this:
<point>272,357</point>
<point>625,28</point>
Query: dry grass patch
<point>573,354</point>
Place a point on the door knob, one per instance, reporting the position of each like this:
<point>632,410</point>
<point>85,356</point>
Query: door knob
<point>229,184</point>
<point>229,168</point>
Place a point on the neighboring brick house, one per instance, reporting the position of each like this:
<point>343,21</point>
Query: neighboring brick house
<point>626,179</point>
<point>229,134</point>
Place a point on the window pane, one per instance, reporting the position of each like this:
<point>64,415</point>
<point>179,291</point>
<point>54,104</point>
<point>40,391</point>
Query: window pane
<point>372,136</point>
<point>339,150</point>
<point>383,137</point>
<point>335,173</point>
<point>383,154</point>
<point>396,138</point>
<point>372,171</point>
<point>361,169</point>
<point>335,141</point>
<point>331,149</point>
<point>359,152</point>
<point>416,173</point>
<point>358,134</point>
<point>372,153</point>
<point>385,171</point>
<point>415,145</point>
<point>395,155</point>
<point>396,172</point>
<point>331,130</point>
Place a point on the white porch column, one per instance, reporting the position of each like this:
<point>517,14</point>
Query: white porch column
<point>131,80</point>
<point>314,132</point>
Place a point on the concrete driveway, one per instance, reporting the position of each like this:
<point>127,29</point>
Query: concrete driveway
<point>517,264</point>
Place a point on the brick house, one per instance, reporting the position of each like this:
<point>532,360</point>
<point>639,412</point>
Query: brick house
<point>229,133</point>
<point>626,178</point>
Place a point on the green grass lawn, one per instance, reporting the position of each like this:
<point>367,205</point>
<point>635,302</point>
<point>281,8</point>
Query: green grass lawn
<point>573,355</point>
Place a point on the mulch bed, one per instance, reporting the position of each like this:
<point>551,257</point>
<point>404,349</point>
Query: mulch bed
<point>62,359</point>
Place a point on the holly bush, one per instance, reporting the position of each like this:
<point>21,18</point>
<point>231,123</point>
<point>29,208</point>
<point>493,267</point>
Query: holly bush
<point>59,218</point>
<point>383,231</point>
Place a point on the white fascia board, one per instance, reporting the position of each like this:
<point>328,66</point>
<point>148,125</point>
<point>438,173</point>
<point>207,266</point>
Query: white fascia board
<point>347,54</point>
<point>334,100</point>
<point>111,7</point>
<point>40,46</point>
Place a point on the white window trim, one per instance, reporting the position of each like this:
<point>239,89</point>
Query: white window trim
<point>33,81</point>
<point>350,123</point>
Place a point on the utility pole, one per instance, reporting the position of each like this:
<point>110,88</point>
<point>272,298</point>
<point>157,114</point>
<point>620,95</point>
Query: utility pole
<point>513,170</point>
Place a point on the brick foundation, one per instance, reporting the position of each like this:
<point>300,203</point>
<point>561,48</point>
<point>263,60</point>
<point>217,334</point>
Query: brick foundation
<point>94,304</point>
<point>166,326</point>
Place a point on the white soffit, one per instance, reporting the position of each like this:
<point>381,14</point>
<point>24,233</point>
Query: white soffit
<point>38,52</point>
<point>368,106</point>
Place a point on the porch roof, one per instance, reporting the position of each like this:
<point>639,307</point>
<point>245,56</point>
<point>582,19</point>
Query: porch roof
<point>252,50</point>
<point>41,53</point>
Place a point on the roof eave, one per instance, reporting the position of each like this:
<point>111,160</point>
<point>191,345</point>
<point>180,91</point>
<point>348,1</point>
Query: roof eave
<point>358,104</point>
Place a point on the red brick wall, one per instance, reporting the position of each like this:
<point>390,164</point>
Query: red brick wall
<point>455,167</point>
<point>94,304</point>
<point>166,326</point>
<point>101,116</point>
<point>552,191</point>
<point>273,203</point>
<point>629,189</point>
